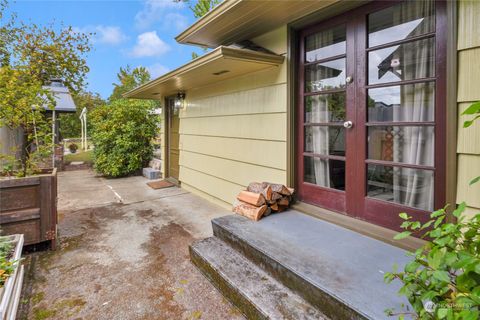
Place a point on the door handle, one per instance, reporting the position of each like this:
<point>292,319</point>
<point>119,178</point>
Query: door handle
<point>348,124</point>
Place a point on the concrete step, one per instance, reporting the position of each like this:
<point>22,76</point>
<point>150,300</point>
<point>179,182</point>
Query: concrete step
<point>248,287</point>
<point>336,270</point>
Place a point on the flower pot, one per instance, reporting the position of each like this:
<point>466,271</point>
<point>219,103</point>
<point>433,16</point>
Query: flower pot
<point>29,207</point>
<point>10,293</point>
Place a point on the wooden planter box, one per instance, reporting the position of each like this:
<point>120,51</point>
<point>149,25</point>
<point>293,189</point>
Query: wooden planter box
<point>29,207</point>
<point>10,293</point>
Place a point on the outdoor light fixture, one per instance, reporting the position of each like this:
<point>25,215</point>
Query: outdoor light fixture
<point>180,100</point>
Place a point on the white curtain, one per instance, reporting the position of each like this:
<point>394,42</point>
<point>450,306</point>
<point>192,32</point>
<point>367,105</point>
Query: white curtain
<point>413,144</point>
<point>320,138</point>
<point>317,111</point>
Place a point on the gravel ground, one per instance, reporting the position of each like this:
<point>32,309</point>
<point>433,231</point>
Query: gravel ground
<point>122,261</point>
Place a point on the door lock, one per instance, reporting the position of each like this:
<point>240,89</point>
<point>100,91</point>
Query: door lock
<point>349,79</point>
<point>348,124</point>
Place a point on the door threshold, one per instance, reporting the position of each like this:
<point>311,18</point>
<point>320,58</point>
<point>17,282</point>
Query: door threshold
<point>359,226</point>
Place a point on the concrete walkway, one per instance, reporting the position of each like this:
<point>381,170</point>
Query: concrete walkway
<point>123,255</point>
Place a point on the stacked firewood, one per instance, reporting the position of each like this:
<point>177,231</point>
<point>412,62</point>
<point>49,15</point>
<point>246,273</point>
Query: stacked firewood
<point>262,199</point>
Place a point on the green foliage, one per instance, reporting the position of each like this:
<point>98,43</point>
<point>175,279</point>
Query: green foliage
<point>128,80</point>
<point>443,279</point>
<point>31,55</point>
<point>122,135</point>
<point>202,7</point>
<point>70,125</point>
<point>473,110</point>
<point>7,266</point>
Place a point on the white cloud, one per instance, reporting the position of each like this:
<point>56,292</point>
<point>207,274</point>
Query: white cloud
<point>157,70</point>
<point>175,20</point>
<point>149,45</point>
<point>110,35</point>
<point>154,10</point>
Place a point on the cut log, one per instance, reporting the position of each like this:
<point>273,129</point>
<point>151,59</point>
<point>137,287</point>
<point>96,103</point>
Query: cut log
<point>274,207</point>
<point>282,208</point>
<point>257,187</point>
<point>267,212</point>
<point>267,193</point>
<point>292,191</point>
<point>276,196</point>
<point>279,188</point>
<point>249,211</point>
<point>256,199</point>
<point>283,201</point>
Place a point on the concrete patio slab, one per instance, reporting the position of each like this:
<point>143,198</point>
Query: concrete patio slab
<point>135,189</point>
<point>123,261</point>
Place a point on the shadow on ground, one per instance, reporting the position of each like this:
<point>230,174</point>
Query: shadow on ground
<point>123,261</point>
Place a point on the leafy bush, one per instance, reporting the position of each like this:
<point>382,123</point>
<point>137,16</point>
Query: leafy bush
<point>122,135</point>
<point>443,279</point>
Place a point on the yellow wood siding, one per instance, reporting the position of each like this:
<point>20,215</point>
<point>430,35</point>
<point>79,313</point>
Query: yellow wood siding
<point>468,23</point>
<point>234,132</point>
<point>468,147</point>
<point>468,73</point>
<point>260,152</point>
<point>468,168</point>
<point>468,141</point>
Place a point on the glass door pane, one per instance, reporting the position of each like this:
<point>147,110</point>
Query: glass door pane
<point>324,143</point>
<point>400,162</point>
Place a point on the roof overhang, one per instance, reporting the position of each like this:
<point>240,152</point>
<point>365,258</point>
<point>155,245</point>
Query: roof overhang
<point>237,20</point>
<point>218,65</point>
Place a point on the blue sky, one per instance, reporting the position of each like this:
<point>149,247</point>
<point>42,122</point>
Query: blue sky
<point>133,32</point>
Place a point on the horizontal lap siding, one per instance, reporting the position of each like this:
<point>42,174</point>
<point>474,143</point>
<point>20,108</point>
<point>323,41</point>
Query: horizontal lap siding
<point>468,141</point>
<point>234,132</point>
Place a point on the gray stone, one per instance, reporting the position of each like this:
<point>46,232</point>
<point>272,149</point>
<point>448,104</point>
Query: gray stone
<point>151,173</point>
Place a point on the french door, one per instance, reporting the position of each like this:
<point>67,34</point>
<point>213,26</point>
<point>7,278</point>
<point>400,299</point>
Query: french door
<point>371,111</point>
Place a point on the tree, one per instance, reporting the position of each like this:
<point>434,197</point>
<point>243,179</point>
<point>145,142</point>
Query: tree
<point>202,7</point>
<point>122,134</point>
<point>31,55</point>
<point>70,125</point>
<point>128,80</point>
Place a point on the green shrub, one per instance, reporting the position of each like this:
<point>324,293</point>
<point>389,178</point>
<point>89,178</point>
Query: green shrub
<point>122,135</point>
<point>443,279</point>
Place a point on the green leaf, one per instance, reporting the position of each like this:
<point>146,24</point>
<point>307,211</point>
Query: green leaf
<point>404,216</point>
<point>461,207</point>
<point>437,213</point>
<point>438,222</point>
<point>475,180</point>
<point>472,109</point>
<point>412,266</point>
<point>442,313</point>
<point>441,275</point>
<point>402,235</point>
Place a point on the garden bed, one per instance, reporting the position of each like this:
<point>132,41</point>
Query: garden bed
<point>10,292</point>
<point>29,207</point>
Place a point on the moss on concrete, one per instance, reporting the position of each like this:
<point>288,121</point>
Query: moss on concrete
<point>41,314</point>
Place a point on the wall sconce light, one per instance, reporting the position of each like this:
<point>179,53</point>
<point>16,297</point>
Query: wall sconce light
<point>180,101</point>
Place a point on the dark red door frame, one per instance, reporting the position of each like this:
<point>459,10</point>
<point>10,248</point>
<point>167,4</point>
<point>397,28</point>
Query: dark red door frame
<point>353,201</point>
